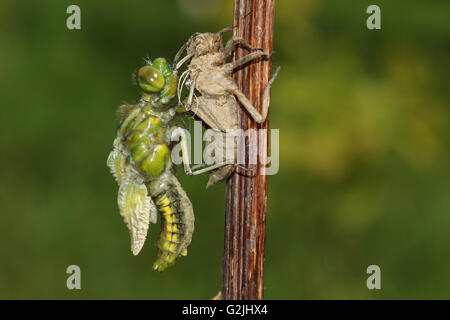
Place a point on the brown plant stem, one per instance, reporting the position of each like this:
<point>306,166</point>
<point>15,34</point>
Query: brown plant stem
<point>245,222</point>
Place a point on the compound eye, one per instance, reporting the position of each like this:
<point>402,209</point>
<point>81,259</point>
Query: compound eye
<point>150,79</point>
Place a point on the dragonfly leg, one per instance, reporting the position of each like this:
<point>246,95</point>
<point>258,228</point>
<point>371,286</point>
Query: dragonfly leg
<point>234,41</point>
<point>258,117</point>
<point>251,56</point>
<point>191,93</point>
<point>207,169</point>
<point>185,156</point>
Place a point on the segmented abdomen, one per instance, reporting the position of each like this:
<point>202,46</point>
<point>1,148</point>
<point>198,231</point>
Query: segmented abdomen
<point>177,220</point>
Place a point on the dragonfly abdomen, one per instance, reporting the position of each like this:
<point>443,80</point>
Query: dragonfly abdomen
<point>177,222</point>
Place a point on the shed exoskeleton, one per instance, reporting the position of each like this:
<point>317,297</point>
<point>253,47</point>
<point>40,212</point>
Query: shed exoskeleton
<point>213,91</point>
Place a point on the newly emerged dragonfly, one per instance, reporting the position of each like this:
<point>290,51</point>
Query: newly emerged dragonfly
<point>141,164</point>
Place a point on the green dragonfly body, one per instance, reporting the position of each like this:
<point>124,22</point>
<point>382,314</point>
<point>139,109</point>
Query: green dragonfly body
<point>141,164</point>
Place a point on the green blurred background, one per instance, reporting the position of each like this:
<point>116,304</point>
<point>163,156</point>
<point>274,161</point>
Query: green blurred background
<point>364,151</point>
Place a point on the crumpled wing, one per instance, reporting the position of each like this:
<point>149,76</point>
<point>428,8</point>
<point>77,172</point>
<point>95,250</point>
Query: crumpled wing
<point>136,208</point>
<point>117,161</point>
<point>153,212</point>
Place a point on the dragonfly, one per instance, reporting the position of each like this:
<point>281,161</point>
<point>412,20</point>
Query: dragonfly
<point>141,164</point>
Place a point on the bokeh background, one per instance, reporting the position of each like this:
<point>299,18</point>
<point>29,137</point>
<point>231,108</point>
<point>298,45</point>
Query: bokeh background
<point>364,151</point>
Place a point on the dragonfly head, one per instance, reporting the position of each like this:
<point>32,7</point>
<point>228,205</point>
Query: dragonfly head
<point>150,79</point>
<point>157,79</point>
